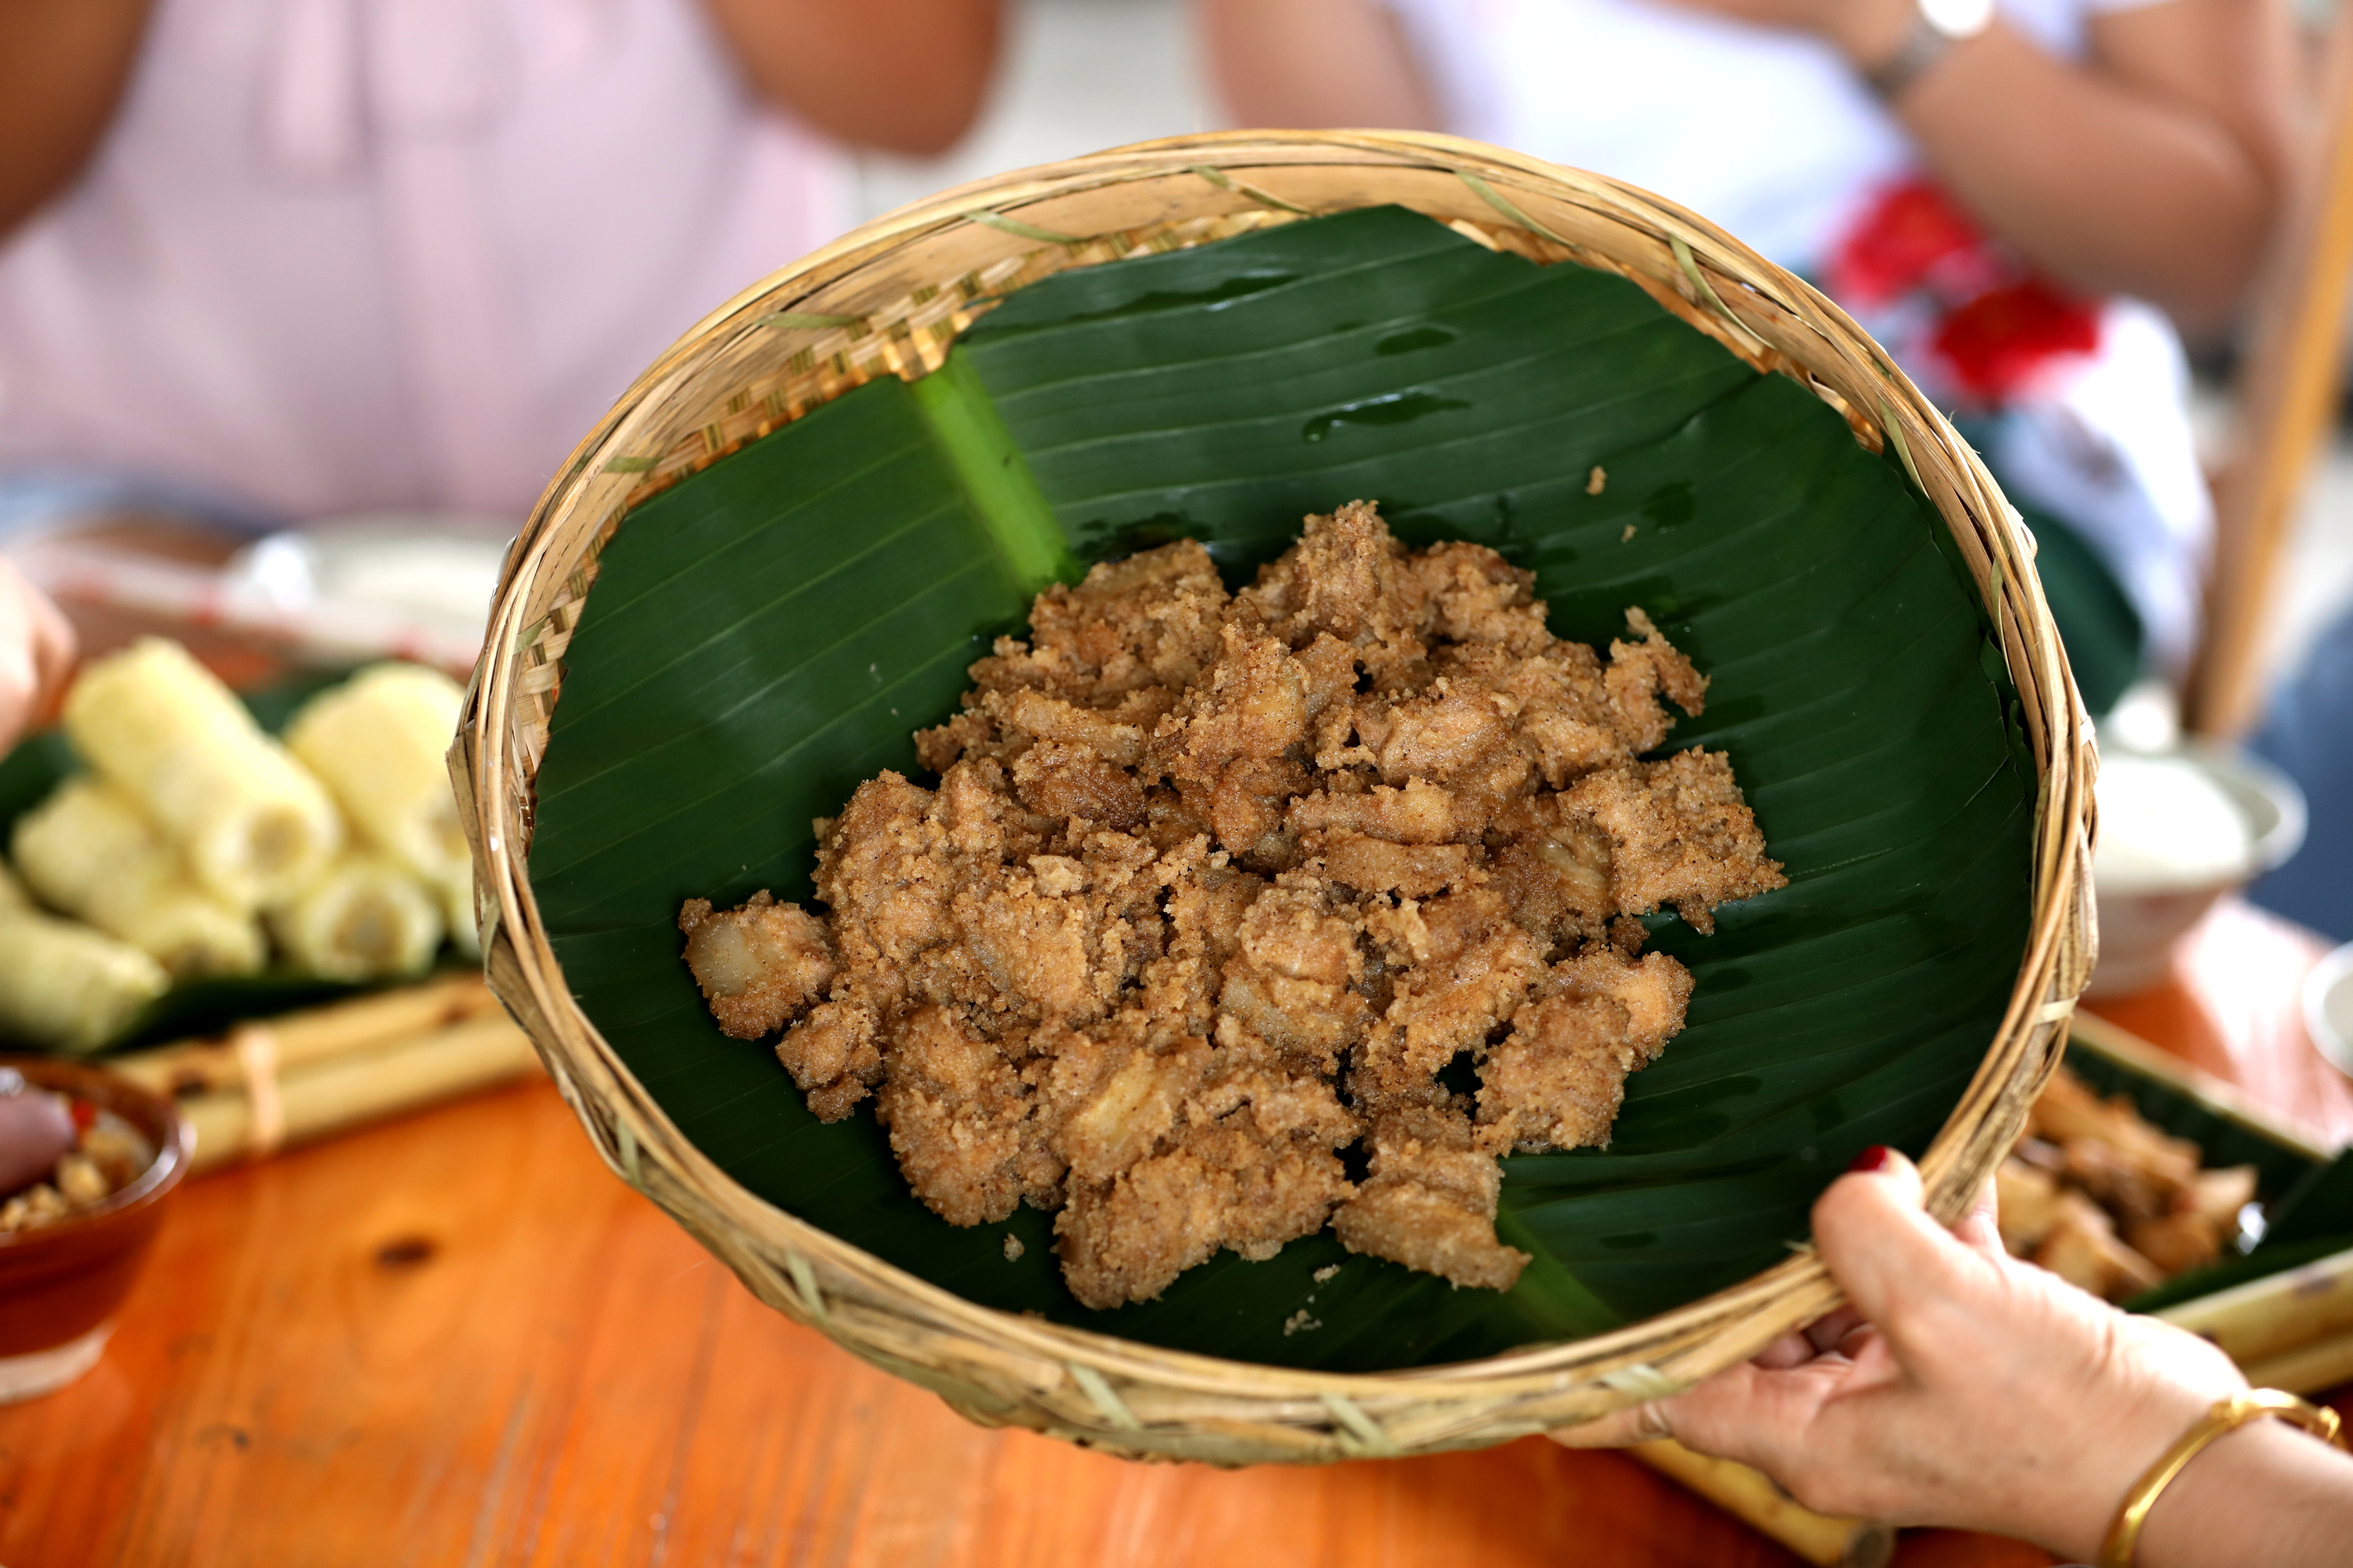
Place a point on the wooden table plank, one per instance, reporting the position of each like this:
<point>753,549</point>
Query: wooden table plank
<point>457,1339</point>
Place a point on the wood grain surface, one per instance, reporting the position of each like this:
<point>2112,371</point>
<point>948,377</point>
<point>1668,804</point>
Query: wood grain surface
<point>457,1339</point>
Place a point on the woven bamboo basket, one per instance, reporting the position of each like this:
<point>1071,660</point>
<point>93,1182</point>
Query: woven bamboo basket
<point>888,299</point>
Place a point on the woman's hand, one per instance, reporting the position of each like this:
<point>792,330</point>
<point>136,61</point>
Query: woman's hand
<point>1961,1387</point>
<point>36,653</point>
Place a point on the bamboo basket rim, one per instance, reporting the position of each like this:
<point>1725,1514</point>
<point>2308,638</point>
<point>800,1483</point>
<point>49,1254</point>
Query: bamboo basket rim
<point>1087,1385</point>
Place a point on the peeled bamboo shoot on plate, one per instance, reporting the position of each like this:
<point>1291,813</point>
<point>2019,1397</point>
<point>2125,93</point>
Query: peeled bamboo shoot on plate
<point>377,743</point>
<point>63,984</point>
<point>365,917</point>
<point>90,852</point>
<point>254,825</point>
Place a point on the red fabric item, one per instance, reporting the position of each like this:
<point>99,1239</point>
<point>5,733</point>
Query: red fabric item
<point>1901,239</point>
<point>1986,319</point>
<point>1997,340</point>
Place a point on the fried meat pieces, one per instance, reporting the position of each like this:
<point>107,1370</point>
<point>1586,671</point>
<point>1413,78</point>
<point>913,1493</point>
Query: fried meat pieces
<point>1213,887</point>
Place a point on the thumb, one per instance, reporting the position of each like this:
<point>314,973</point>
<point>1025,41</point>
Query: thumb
<point>1882,1247</point>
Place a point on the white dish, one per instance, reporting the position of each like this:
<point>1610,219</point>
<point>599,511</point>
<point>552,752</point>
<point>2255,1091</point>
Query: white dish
<point>2329,1008</point>
<point>2147,904</point>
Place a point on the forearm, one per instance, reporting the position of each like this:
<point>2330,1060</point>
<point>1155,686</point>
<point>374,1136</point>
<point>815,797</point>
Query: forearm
<point>2106,188</point>
<point>907,76</point>
<point>63,67</point>
<point>2266,1493</point>
<point>1314,64</point>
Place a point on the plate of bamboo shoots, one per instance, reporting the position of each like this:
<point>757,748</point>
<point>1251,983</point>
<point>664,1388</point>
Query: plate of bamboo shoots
<point>172,860</point>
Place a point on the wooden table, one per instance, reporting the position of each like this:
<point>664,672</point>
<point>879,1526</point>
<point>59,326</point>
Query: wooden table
<point>457,1339</point>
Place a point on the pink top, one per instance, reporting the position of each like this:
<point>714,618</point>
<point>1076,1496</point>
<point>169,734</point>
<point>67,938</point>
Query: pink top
<point>346,255</point>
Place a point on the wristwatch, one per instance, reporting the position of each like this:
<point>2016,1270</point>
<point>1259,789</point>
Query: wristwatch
<point>1937,26</point>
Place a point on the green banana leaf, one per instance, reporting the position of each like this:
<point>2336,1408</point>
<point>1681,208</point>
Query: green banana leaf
<point>765,635</point>
<point>39,762</point>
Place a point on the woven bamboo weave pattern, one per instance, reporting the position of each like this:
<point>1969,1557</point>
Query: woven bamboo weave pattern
<point>888,299</point>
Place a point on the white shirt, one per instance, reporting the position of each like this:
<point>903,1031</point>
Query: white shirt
<point>1769,133</point>
<point>1765,130</point>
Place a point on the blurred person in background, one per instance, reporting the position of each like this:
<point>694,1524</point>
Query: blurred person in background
<point>273,260</point>
<point>2011,195</point>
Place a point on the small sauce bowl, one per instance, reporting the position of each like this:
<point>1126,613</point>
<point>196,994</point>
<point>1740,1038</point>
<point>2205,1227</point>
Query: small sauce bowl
<point>61,1284</point>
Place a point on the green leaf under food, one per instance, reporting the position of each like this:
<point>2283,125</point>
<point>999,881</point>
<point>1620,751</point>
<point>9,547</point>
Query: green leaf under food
<point>764,635</point>
<point>39,762</point>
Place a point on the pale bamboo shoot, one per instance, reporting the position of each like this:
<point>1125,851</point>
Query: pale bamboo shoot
<point>367,918</point>
<point>254,825</point>
<point>87,850</point>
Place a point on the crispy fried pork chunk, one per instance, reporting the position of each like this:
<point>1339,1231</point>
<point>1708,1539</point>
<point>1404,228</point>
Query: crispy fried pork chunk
<point>1679,833</point>
<point>1429,1201</point>
<point>1556,1081</point>
<point>758,963</point>
<point>1211,886</point>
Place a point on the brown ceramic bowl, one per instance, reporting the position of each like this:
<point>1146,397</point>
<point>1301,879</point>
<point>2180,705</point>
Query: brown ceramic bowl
<point>60,1284</point>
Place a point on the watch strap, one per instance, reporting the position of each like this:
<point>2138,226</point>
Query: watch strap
<point>1923,46</point>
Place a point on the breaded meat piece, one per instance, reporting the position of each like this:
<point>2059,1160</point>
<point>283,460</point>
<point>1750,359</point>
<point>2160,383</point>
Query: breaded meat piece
<point>1210,885</point>
<point>1152,619</point>
<point>1429,1201</point>
<point>1557,1080</point>
<point>757,964</point>
<point>1224,1185</point>
<point>1234,744</point>
<point>1348,578</point>
<point>1680,833</point>
<point>956,1112</point>
<point>1290,982</point>
<point>1638,673</point>
<point>1460,967</point>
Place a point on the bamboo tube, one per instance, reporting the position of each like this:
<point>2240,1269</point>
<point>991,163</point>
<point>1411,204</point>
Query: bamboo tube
<point>2288,394</point>
<point>1748,1495</point>
<point>64,985</point>
<point>254,825</point>
<point>305,1039</point>
<point>342,1092</point>
<point>376,742</point>
<point>2264,1318</point>
<point>365,917</point>
<point>89,851</point>
<point>2308,1369</point>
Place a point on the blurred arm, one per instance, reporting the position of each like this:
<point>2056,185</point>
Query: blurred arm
<point>2159,168</point>
<point>1314,65</point>
<point>2155,168</point>
<point>906,75</point>
<point>63,67</point>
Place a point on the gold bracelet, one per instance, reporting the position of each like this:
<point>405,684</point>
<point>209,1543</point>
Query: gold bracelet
<point>2227,1416</point>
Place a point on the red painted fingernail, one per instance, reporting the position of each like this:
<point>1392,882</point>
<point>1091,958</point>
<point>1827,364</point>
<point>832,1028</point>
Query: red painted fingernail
<point>1875,1158</point>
